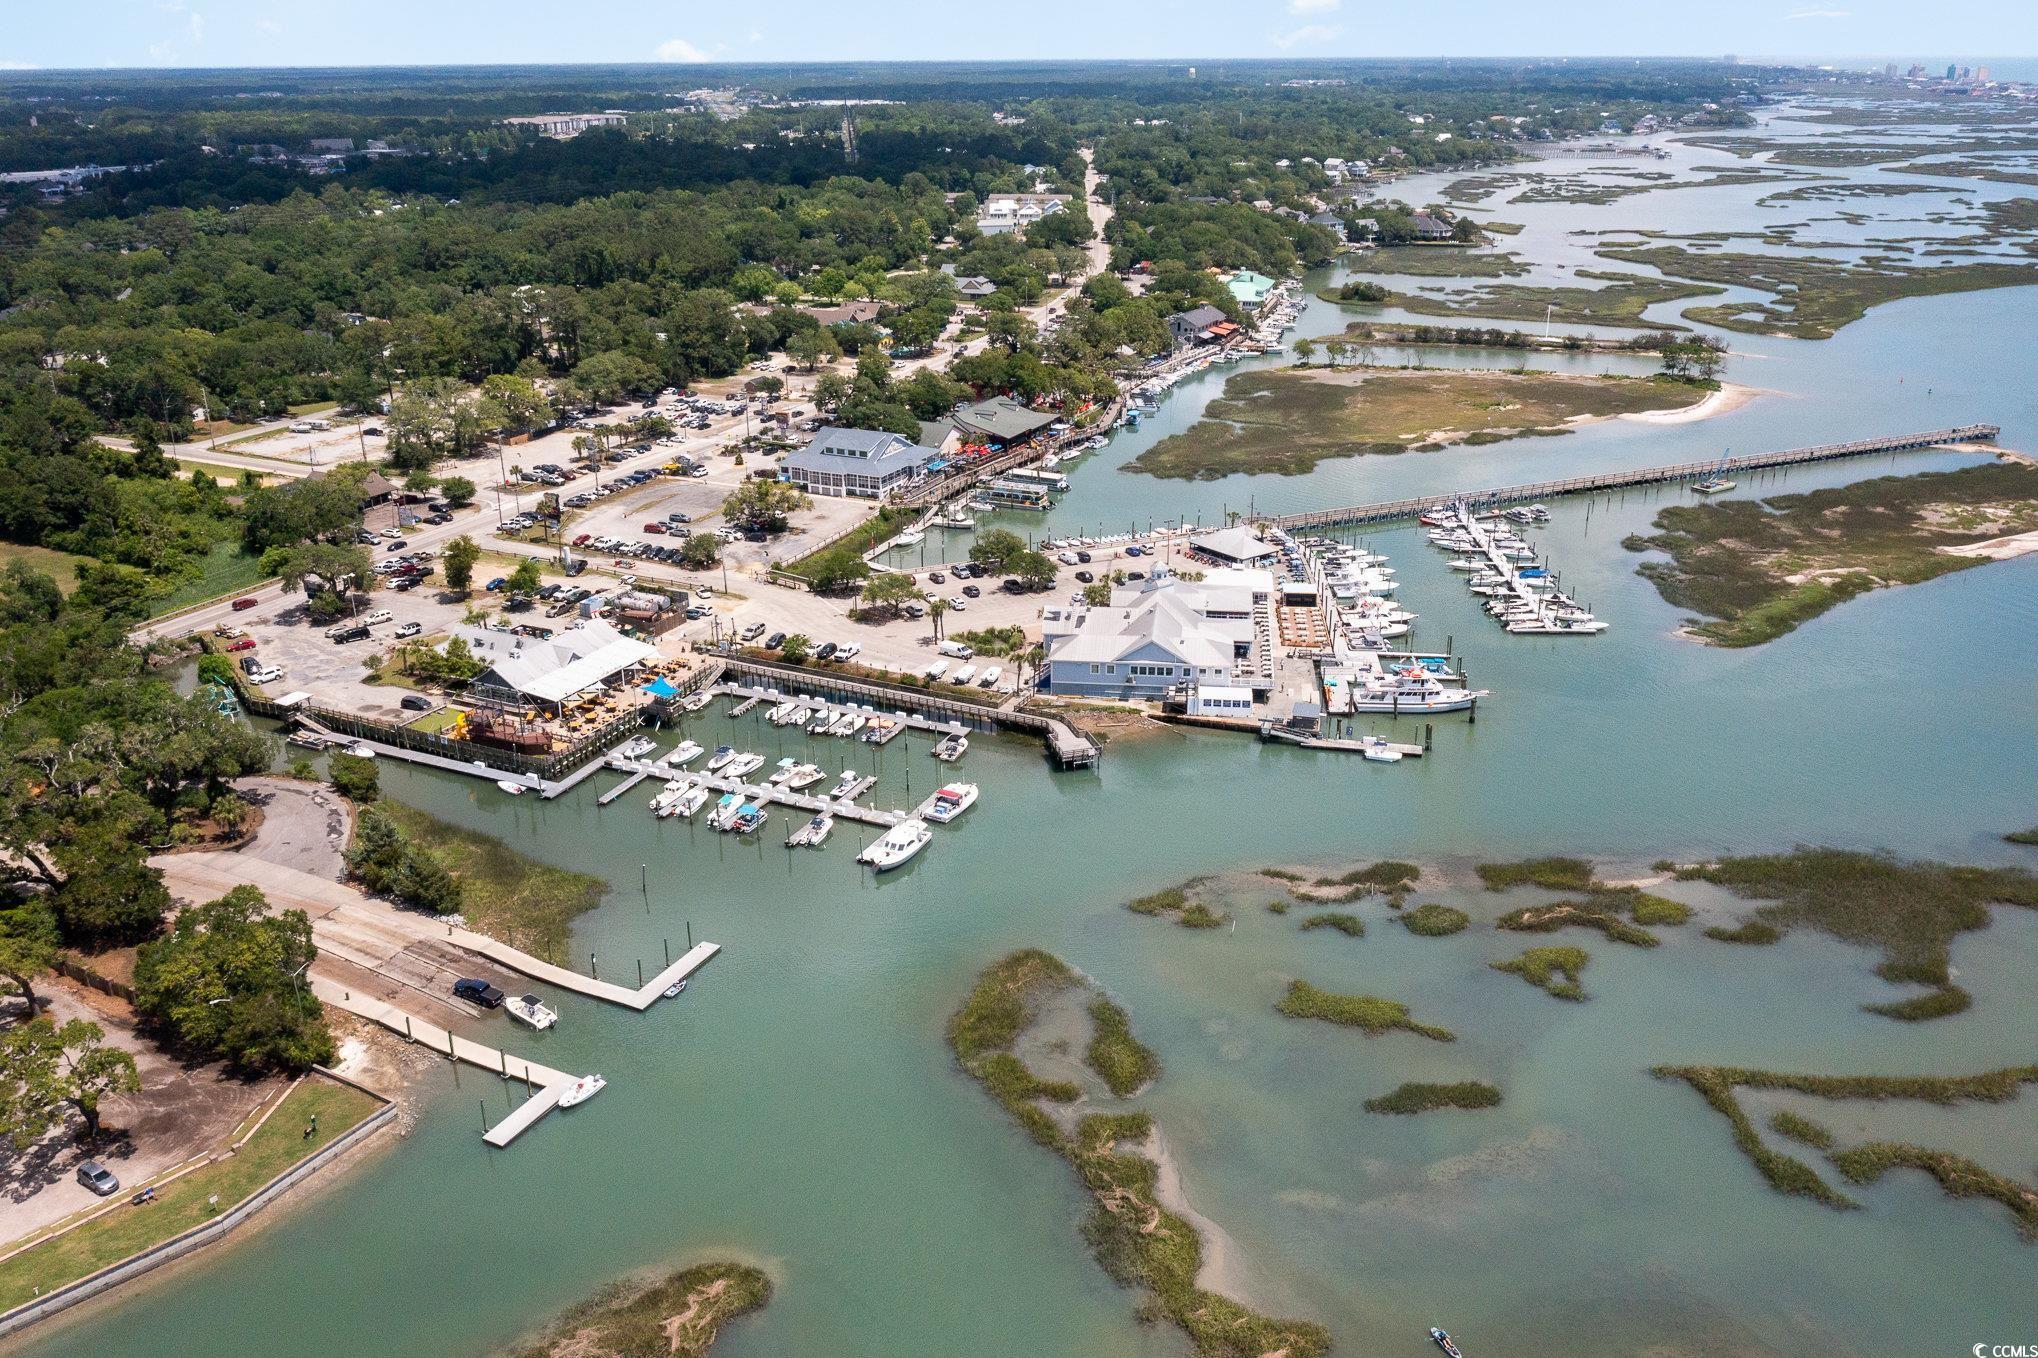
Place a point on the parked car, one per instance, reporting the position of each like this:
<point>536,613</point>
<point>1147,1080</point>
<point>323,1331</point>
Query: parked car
<point>847,650</point>
<point>583,540</point>
<point>379,615</point>
<point>244,644</point>
<point>937,577</point>
<point>971,592</point>
<point>1135,550</point>
<point>496,583</point>
<point>98,1178</point>
<point>1085,577</point>
<point>226,633</point>
<point>409,629</point>
<point>346,634</point>
<point>244,604</point>
<point>677,517</point>
<point>480,992</point>
<point>753,631</point>
<point>1083,557</point>
<point>826,650</point>
<point>654,527</point>
<point>415,702</point>
<point>774,641</point>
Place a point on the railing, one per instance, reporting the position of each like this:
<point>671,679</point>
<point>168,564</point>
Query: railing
<point>1579,485</point>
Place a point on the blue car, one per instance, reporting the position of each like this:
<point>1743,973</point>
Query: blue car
<point>498,582</point>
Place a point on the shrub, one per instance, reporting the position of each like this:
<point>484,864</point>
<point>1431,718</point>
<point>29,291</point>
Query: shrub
<point>1435,921</point>
<point>353,777</point>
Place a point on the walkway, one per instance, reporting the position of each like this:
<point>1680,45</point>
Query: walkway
<point>1620,480</point>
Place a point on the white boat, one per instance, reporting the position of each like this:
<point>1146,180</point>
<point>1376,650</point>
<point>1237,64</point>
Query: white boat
<point>936,670</point>
<point>990,677</point>
<point>672,992</point>
<point>635,747</point>
<point>361,750</point>
<point>748,820</point>
<point>581,1090</point>
<point>725,811</point>
<point>855,722</point>
<point>668,797</point>
<point>688,751</point>
<point>691,800</point>
<point>779,715</point>
<point>813,833</point>
<point>721,757</point>
<point>849,779</point>
<point>803,775</point>
<point>526,1009</point>
<point>951,801</point>
<point>897,845</point>
<point>912,537</point>
<point>966,675</point>
<point>1411,689</point>
<point>1379,751</point>
<point>695,702</point>
<point>781,770</point>
<point>514,789</point>
<point>1714,485</point>
<point>951,747</point>
<point>958,522</point>
<point>821,723</point>
<point>742,764</point>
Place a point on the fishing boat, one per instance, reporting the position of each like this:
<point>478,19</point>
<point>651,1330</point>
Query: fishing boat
<point>527,1010</point>
<point>880,730</point>
<point>514,789</point>
<point>725,811</point>
<point>721,757</point>
<point>688,751</point>
<point>691,800</point>
<point>581,1090</point>
<point>749,818</point>
<point>812,834</point>
<point>1378,750</point>
<point>635,747</point>
<point>695,702</point>
<point>897,845</point>
<point>779,714</point>
<point>851,724</point>
<point>844,785</point>
<point>1443,1341</point>
<point>821,722</point>
<point>951,747</point>
<point>667,797</point>
<point>951,801</point>
<point>956,522</point>
<point>742,764</point>
<point>803,775</point>
<point>1714,485</point>
<point>966,675</point>
<point>781,769</point>
<point>672,992</point>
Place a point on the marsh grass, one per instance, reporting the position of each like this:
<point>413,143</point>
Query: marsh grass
<point>1435,921</point>
<point>1752,931</point>
<point>505,894</point>
<point>1593,912</point>
<point>1958,1176</point>
<point>1558,970</point>
<point>1416,1097</point>
<point>1121,1061</point>
<point>1351,926</point>
<point>1621,302</point>
<point>1557,874</point>
<point>639,1320</point>
<point>1801,1129</point>
<point>1174,903</point>
<point>1368,1013</point>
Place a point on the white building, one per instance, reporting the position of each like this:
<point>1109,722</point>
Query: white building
<point>1165,634</point>
<point>547,672</point>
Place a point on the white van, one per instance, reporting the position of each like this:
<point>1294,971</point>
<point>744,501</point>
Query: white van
<point>955,650</point>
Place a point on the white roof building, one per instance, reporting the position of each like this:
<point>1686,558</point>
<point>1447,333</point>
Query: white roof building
<point>1164,633</point>
<point>1240,546</point>
<point>573,661</point>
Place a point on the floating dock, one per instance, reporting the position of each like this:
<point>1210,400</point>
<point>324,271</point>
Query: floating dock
<point>765,794</point>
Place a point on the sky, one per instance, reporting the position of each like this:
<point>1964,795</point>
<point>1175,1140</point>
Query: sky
<point>99,33</point>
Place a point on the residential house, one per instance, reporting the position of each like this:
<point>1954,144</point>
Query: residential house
<point>1199,325</point>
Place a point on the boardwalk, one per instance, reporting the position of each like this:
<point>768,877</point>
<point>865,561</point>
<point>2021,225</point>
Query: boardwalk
<point>1645,476</point>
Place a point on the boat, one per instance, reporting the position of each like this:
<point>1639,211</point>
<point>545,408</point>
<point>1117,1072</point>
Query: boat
<point>514,789</point>
<point>844,785</point>
<point>1378,750</point>
<point>820,724</point>
<point>1411,689</point>
<point>672,991</point>
<point>779,715</point>
<point>749,818</point>
<point>965,676</point>
<point>725,811</point>
<point>897,845</point>
<point>722,755</point>
<point>912,537</point>
<point>951,801</point>
<point>856,722</point>
<point>813,833</point>
<point>742,764</point>
<point>635,747</point>
<point>691,800</point>
<point>697,701</point>
<point>527,1010</point>
<point>1714,485</point>
<point>803,775</point>
<point>1443,1341</point>
<point>688,751</point>
<point>581,1090</point>
<point>951,747</point>
<point>361,749</point>
<point>781,770</point>
<point>958,522</point>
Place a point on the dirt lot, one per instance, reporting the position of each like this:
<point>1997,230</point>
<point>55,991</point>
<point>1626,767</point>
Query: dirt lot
<point>304,825</point>
<point>182,1109</point>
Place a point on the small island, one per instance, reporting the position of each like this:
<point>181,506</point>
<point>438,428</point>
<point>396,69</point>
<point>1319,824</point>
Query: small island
<point>1287,420</point>
<point>678,1315</point>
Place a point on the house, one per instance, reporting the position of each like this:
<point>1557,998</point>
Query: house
<point>849,313</point>
<point>1196,326</point>
<point>526,670</point>
<point>1234,547</point>
<point>1003,212</point>
<point>1000,422</point>
<point>563,125</point>
<point>1428,227</point>
<point>863,462</point>
<point>974,287</point>
<point>1166,634</point>
<point>1249,288</point>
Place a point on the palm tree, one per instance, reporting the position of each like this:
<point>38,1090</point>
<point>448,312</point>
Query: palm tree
<point>935,608</point>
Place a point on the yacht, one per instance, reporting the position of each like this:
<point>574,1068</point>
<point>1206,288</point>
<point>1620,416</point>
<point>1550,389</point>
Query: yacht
<point>957,521</point>
<point>721,757</point>
<point>581,1090</point>
<point>1411,688</point>
<point>813,833</point>
<point>688,751</point>
<point>951,801</point>
<point>742,764</point>
<point>897,845</point>
<point>725,811</point>
<point>668,797</point>
<point>527,1010</point>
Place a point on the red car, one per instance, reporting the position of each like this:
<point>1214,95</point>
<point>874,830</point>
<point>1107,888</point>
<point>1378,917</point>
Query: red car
<point>654,528</point>
<point>240,605</point>
<point>583,539</point>
<point>244,644</point>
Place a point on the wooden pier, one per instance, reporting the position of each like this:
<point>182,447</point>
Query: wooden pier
<point>765,794</point>
<point>1386,510</point>
<point>620,788</point>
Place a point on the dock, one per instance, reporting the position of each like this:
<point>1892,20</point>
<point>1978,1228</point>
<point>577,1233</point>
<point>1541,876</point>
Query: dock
<point>1386,510</point>
<point>620,788</point>
<point>766,794</point>
<point>1406,750</point>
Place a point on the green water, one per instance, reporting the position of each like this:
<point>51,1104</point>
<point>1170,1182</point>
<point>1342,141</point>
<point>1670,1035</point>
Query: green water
<point>798,1107</point>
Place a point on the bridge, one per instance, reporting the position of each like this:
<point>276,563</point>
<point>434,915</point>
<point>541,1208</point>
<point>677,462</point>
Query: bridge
<point>1643,476</point>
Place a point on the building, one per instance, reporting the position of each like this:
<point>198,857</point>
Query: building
<point>975,287</point>
<point>849,313</point>
<point>330,146</point>
<point>564,125</point>
<point>523,669</point>
<point>1428,227</point>
<point>861,462</point>
<point>1000,422</point>
<point>1200,325</point>
<point>1233,547</point>
<point>1165,635</point>
<point>1003,212</point>
<point>1249,288</point>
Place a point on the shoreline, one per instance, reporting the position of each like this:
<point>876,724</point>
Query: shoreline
<point>1223,1267</point>
<point>1730,397</point>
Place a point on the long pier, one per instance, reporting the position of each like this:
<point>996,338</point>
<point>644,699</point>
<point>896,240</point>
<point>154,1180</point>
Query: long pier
<point>1643,476</point>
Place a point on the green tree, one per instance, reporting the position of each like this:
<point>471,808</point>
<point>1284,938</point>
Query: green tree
<point>886,592</point>
<point>43,1067</point>
<point>457,490</point>
<point>838,568</point>
<point>526,578</point>
<point>995,549</point>
<point>228,980</point>
<point>28,947</point>
<point>333,566</point>
<point>762,503</point>
<point>796,648</point>
<point>1033,570</point>
<point>811,348</point>
<point>460,557</point>
<point>700,551</point>
<point>110,895</point>
<point>354,778</point>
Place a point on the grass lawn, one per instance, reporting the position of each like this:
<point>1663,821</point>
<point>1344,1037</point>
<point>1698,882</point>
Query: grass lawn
<point>61,567</point>
<point>432,722</point>
<point>181,1204</point>
<point>260,435</point>
<point>525,903</point>
<point>1286,420</point>
<point>225,570</point>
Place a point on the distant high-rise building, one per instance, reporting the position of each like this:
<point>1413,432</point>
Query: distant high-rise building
<point>1952,71</point>
<point>1981,74</point>
<point>1916,72</point>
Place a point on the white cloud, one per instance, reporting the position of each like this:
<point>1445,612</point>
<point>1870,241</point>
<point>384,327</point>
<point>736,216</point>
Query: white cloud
<point>1821,14</point>
<point>198,28</point>
<point>756,35</point>
<point>268,25</point>
<point>679,49</point>
<point>1307,33</point>
<point>1313,6</point>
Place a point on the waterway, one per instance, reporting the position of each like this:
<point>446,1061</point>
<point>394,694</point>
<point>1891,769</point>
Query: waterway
<point>797,1106</point>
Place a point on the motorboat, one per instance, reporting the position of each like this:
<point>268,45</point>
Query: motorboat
<point>1714,485</point>
<point>688,751</point>
<point>897,845</point>
<point>691,800</point>
<point>514,789</point>
<point>695,702</point>
<point>779,715</point>
<point>912,537</point>
<point>821,723</point>
<point>742,764</point>
<point>673,991</point>
<point>1443,1341</point>
<point>1411,689</point>
<point>361,749</point>
<point>635,747</point>
<point>783,768</point>
<point>749,818</point>
<point>725,811</point>
<point>845,785</point>
<point>966,675</point>
<point>951,801</point>
<point>950,748</point>
<point>721,757</point>
<point>581,1090</point>
<point>813,833</point>
<point>527,1010</point>
<point>803,775</point>
<point>1378,750</point>
<point>850,725</point>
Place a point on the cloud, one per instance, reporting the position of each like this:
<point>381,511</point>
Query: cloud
<point>1821,14</point>
<point>17,66</point>
<point>1307,33</point>
<point>1313,6</point>
<point>679,49</point>
<point>268,25</point>
<point>198,28</point>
